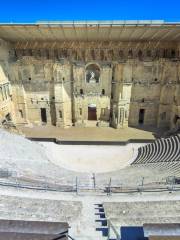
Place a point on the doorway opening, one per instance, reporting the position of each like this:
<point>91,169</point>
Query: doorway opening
<point>176,118</point>
<point>43,115</point>
<point>92,113</point>
<point>141,116</point>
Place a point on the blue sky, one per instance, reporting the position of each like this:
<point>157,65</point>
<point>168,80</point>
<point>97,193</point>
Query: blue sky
<point>51,10</point>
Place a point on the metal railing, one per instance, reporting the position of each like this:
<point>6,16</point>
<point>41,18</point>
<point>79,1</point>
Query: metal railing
<point>112,227</point>
<point>78,188</point>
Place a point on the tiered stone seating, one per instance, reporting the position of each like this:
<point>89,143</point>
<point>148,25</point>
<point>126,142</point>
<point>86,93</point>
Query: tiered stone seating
<point>139,213</point>
<point>120,215</point>
<point>162,150</point>
<point>34,209</point>
<point>32,230</point>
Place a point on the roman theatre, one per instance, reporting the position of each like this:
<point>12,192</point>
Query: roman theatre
<point>90,130</point>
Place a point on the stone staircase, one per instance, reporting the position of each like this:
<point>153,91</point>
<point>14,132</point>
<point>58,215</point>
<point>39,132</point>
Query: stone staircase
<point>102,223</point>
<point>87,227</point>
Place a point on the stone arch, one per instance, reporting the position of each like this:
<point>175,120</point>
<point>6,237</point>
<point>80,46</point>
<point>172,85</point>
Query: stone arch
<point>92,71</point>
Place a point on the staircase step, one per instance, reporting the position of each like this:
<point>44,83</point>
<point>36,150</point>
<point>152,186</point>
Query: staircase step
<point>98,204</point>
<point>104,231</point>
<point>101,209</point>
<point>103,222</point>
<point>101,215</point>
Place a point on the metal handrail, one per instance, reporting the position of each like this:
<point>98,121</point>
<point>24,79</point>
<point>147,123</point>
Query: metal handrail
<point>111,226</point>
<point>77,188</point>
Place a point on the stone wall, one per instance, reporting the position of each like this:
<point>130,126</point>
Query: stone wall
<point>136,83</point>
<point>6,104</point>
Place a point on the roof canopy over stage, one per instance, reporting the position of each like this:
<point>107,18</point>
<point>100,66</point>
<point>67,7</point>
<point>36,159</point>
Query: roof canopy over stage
<point>92,31</point>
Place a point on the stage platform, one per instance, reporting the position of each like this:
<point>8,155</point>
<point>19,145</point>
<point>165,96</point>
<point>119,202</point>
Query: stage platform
<point>90,133</point>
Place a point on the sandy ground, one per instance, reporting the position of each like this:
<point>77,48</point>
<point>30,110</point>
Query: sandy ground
<point>91,159</point>
<point>89,133</point>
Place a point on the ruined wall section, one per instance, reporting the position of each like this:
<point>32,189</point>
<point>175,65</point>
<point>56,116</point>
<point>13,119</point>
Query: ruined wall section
<point>41,86</point>
<point>169,108</point>
<point>30,90</point>
<point>133,77</point>
<point>6,103</point>
<point>168,78</point>
<point>145,93</point>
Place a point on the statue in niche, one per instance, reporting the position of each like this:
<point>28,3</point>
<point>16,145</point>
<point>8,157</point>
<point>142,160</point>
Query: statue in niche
<point>92,73</point>
<point>92,78</point>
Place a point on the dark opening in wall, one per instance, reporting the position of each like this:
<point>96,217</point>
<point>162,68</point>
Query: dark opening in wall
<point>80,111</point>
<point>39,53</point>
<point>102,55</point>
<point>111,54</point>
<point>121,54</point>
<point>140,55</point>
<point>142,100</point>
<point>21,113</point>
<point>63,79</point>
<point>141,115</point>
<point>173,53</point>
<point>157,53</point>
<point>103,91</point>
<point>8,117</point>
<point>60,113</point>
<point>81,91</point>
<point>165,53</point>
<point>30,52</point>
<point>15,53</point>
<point>43,115</point>
<point>29,78</point>
<point>47,54</point>
<point>130,54</point>
<point>93,54</point>
<point>155,79</point>
<point>23,52</point>
<point>176,118</point>
<point>56,54</point>
<point>83,55</point>
<point>148,53</point>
